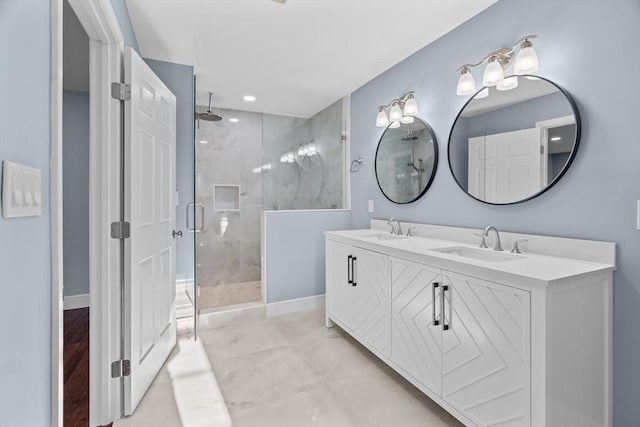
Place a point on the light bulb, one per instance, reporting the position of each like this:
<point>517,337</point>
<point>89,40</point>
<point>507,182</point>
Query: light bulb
<point>527,59</point>
<point>301,150</point>
<point>394,125</point>
<point>482,94</point>
<point>493,73</point>
<point>312,148</point>
<point>407,120</point>
<point>508,83</point>
<point>396,113</point>
<point>382,121</point>
<point>410,106</point>
<point>466,83</point>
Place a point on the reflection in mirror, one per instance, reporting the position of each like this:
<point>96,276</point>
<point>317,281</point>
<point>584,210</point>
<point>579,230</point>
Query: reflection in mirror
<point>406,161</point>
<point>512,145</point>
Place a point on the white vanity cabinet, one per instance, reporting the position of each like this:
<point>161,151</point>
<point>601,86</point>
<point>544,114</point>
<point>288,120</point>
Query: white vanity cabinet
<point>358,293</point>
<point>465,339</point>
<point>416,328</point>
<point>486,336</point>
<point>492,345</point>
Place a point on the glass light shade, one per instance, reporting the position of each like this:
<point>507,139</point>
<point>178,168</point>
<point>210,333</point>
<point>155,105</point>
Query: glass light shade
<point>508,83</point>
<point>396,113</point>
<point>493,73</point>
<point>410,107</point>
<point>482,94</point>
<point>526,61</point>
<point>312,148</point>
<point>407,120</point>
<point>382,121</point>
<point>394,125</point>
<point>301,150</point>
<point>466,84</point>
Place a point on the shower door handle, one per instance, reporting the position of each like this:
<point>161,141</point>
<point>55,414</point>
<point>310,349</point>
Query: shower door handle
<point>195,228</point>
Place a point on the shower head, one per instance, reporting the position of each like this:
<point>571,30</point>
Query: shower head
<point>209,116</point>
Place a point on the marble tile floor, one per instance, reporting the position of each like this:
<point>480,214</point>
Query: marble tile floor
<point>289,371</point>
<point>229,294</point>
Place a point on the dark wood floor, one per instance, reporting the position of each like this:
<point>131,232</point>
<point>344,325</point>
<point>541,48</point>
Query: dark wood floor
<point>76,367</point>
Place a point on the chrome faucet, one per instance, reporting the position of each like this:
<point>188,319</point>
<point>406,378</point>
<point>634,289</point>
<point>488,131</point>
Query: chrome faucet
<point>397,231</point>
<point>498,244</point>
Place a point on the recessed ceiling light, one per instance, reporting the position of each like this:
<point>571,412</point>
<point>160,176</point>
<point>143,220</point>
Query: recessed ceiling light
<point>556,138</point>
<point>249,98</point>
<point>234,120</point>
<point>202,141</point>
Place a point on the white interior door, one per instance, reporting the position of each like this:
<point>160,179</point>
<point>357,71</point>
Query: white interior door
<point>505,167</point>
<point>149,303</point>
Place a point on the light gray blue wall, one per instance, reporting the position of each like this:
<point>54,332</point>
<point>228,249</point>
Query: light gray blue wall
<point>25,267</point>
<point>596,198</point>
<point>75,136</point>
<point>179,80</point>
<point>124,21</point>
<point>295,251</point>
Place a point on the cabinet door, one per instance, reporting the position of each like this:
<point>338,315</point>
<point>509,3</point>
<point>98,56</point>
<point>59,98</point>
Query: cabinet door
<point>415,318</point>
<point>372,323</point>
<point>486,351</point>
<point>339,292</point>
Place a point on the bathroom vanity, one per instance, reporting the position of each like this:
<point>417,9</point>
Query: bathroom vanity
<point>495,338</point>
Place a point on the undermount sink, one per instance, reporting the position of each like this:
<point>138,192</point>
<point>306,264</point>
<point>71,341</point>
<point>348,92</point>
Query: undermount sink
<point>487,255</point>
<point>386,236</point>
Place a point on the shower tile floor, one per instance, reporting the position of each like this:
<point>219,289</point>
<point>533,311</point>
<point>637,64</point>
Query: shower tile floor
<point>229,294</point>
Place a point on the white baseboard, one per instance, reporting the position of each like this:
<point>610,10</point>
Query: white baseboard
<point>295,305</point>
<point>77,301</point>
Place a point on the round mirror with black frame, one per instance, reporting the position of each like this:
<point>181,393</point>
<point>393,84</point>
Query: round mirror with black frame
<point>406,161</point>
<point>511,145</point>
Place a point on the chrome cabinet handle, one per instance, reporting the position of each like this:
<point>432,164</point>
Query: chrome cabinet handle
<point>349,279</point>
<point>353,271</point>
<point>434,285</point>
<point>445,327</point>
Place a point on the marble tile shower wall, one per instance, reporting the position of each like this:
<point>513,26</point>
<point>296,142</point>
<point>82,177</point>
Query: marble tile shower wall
<point>309,182</point>
<point>247,154</point>
<point>228,249</point>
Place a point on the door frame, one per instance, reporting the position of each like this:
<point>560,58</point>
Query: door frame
<point>105,58</point>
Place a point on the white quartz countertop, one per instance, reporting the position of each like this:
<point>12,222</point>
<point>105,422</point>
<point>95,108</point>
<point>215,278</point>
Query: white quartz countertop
<point>530,267</point>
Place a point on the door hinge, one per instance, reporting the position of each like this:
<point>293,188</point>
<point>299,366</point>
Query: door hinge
<point>120,368</point>
<point>542,149</point>
<point>120,230</point>
<point>121,91</point>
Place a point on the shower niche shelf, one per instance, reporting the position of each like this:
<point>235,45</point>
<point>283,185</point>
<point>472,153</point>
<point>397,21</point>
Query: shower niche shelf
<point>226,198</point>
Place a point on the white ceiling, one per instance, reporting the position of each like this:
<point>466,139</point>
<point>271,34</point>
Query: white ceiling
<point>296,58</point>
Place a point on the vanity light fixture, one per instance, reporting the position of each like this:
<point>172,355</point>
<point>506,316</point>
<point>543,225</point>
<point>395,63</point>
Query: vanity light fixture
<point>234,120</point>
<point>401,109</point>
<point>249,98</point>
<point>526,61</point>
<point>556,138</point>
<point>508,83</point>
<point>204,141</point>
